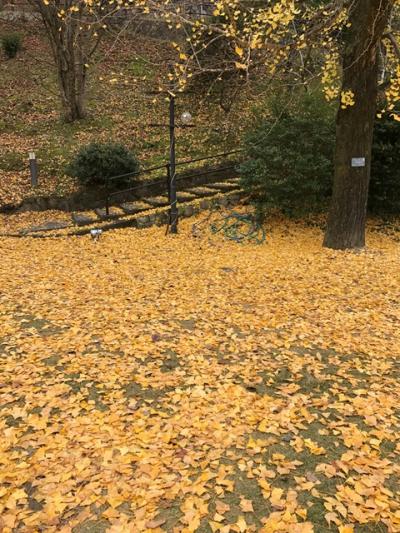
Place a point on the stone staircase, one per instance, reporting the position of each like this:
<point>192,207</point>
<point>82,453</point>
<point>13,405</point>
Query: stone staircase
<point>142,213</point>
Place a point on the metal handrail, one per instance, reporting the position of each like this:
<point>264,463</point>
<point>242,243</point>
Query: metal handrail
<point>130,189</point>
<point>137,173</point>
<point>216,156</point>
<point>210,171</point>
<point>167,167</point>
<point>115,193</point>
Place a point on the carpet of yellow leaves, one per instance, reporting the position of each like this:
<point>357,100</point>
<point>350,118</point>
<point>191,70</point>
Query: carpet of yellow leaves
<point>182,384</point>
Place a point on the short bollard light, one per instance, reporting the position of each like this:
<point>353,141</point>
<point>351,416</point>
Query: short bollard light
<point>33,168</point>
<point>95,234</point>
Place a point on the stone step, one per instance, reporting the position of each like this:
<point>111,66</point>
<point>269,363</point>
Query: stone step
<point>88,220</point>
<point>185,196</point>
<point>157,201</point>
<point>113,212</point>
<point>131,208</point>
<point>202,191</point>
<point>223,186</point>
<point>83,218</point>
<point>51,225</point>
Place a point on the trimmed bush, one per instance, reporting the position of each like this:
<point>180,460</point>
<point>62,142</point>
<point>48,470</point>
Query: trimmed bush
<point>290,154</point>
<point>97,162</point>
<point>384,197</point>
<point>11,44</point>
<point>290,160</point>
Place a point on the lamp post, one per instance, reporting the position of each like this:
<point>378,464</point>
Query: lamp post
<point>173,213</point>
<point>186,119</point>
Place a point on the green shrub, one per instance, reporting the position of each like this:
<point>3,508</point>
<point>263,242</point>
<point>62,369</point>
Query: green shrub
<point>384,197</point>
<point>11,44</point>
<point>97,162</point>
<point>290,157</point>
<point>290,160</point>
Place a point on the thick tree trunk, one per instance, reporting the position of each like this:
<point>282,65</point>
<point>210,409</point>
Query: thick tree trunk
<point>354,124</point>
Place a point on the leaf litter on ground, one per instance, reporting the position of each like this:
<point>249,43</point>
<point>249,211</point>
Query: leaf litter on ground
<point>181,384</point>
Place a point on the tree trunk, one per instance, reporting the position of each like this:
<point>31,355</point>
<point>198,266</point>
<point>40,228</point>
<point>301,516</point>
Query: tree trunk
<point>72,82</point>
<point>68,46</point>
<point>71,71</point>
<point>354,124</point>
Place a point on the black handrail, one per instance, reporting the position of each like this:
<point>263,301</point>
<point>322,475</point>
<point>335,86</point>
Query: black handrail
<point>137,173</point>
<point>115,193</point>
<point>210,171</point>
<point>130,189</point>
<point>216,156</point>
<point>167,167</point>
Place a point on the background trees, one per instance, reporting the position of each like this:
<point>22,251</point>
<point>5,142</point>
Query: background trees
<point>277,36</point>
<point>74,29</point>
<point>286,46</point>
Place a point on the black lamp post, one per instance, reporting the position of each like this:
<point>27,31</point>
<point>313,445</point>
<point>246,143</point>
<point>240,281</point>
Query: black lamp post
<point>186,119</point>
<point>173,213</point>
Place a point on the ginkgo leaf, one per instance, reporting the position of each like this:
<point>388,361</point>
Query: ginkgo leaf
<point>242,525</point>
<point>276,496</point>
<point>239,51</point>
<point>246,505</point>
<point>346,529</point>
<point>221,507</point>
<point>154,524</point>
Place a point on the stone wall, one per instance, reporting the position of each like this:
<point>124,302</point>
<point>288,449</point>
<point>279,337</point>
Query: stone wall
<point>21,9</point>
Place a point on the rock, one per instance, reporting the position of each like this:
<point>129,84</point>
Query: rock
<point>162,218</point>
<point>27,205</point>
<point>188,324</point>
<point>234,198</point>
<point>53,203</point>
<point>153,219</point>
<point>42,203</point>
<point>65,205</point>
<point>223,201</point>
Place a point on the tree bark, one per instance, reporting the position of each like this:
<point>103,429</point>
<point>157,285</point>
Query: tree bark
<point>70,48</point>
<point>71,75</point>
<point>354,124</point>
